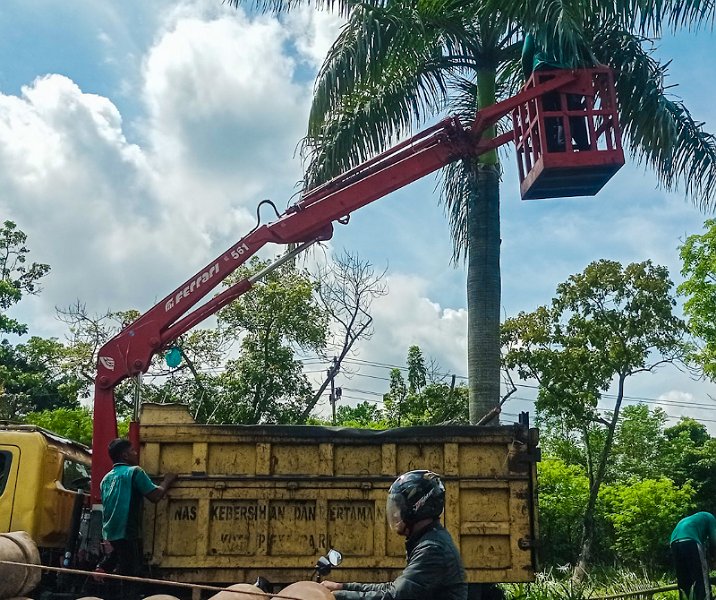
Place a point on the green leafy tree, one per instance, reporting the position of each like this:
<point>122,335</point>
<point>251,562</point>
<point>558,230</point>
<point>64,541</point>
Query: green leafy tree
<point>34,375</point>
<point>639,444</point>
<point>642,514</point>
<point>559,440</point>
<point>563,494</point>
<point>698,255</point>
<point>689,458</point>
<point>394,401</point>
<point>444,404</point>
<point>72,423</point>
<point>363,415</point>
<point>266,383</point>
<point>604,326</point>
<point>17,277</point>
<point>417,371</point>
<point>401,63</point>
<point>425,400</point>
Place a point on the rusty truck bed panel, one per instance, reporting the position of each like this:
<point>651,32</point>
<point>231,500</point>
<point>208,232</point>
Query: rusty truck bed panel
<point>268,500</point>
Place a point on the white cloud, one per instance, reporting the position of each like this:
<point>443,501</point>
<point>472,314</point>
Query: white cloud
<point>127,204</point>
<point>70,178</point>
<point>122,224</point>
<point>679,403</point>
<point>225,116</point>
<point>407,317</point>
<point>314,32</point>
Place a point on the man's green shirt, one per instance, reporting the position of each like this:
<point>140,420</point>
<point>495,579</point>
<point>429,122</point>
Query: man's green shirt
<point>123,490</point>
<point>700,527</point>
<point>536,59</point>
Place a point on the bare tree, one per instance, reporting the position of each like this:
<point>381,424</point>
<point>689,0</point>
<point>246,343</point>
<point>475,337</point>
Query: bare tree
<point>201,350</point>
<point>87,333</point>
<point>347,288</point>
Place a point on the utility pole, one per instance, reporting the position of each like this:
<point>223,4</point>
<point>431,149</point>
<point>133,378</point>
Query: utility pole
<point>335,393</point>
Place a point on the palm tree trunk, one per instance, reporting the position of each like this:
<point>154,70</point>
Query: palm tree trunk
<point>483,271</point>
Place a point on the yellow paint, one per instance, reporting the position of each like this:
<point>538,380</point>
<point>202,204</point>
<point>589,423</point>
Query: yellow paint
<point>268,500</point>
<point>34,498</point>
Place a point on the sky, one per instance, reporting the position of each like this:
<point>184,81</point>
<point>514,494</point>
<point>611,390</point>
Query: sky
<point>137,138</point>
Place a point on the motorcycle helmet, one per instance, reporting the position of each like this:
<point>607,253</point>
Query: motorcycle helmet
<point>414,496</point>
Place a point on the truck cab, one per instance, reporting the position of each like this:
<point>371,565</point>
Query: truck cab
<point>40,475</point>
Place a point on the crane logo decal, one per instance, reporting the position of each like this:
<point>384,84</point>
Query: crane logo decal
<point>195,284</point>
<point>107,362</point>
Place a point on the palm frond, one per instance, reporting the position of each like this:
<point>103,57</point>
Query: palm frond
<point>660,130</point>
<point>561,24</point>
<point>386,72</point>
<point>369,120</point>
<point>341,7</point>
<point>395,35</point>
<point>455,194</point>
<point>676,14</point>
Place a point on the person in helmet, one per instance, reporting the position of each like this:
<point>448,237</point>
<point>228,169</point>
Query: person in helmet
<point>434,570</point>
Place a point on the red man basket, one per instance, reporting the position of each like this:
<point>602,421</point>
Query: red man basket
<point>568,141</point>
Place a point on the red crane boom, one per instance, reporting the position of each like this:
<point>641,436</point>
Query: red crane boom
<point>311,219</point>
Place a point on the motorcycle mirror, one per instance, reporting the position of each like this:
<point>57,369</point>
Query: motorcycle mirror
<point>334,557</point>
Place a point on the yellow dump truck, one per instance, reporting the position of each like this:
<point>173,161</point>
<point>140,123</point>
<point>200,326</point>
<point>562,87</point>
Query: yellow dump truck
<point>268,500</point>
<point>40,473</point>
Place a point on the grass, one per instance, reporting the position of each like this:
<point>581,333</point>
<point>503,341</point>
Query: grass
<point>556,585</point>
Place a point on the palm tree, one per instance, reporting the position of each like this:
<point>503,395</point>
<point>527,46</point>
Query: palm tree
<point>400,63</point>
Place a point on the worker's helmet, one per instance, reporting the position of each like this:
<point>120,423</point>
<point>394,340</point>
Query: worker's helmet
<point>414,496</point>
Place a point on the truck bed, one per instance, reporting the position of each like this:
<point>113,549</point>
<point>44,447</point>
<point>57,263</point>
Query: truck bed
<point>268,500</point>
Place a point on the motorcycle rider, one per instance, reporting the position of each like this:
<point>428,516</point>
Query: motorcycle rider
<point>434,568</point>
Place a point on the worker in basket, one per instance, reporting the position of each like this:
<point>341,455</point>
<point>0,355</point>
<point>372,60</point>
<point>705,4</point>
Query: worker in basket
<point>434,570</point>
<point>535,58</point>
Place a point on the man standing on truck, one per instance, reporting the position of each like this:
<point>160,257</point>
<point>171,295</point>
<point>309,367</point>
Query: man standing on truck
<point>123,490</point>
<point>434,570</point>
<point>688,540</point>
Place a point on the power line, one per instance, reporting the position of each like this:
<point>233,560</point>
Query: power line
<point>645,400</point>
<point>668,416</point>
<point>362,391</point>
<point>311,360</point>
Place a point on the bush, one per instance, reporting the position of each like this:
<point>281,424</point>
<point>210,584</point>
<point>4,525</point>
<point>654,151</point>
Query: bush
<point>563,492</point>
<point>642,514</point>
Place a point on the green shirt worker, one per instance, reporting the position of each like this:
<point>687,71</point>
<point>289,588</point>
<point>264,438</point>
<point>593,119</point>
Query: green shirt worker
<point>534,58</point>
<point>689,540</point>
<point>434,570</point>
<point>123,490</point>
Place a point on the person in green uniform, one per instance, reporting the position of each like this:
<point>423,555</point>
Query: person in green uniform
<point>123,490</point>
<point>534,58</point>
<point>689,541</point>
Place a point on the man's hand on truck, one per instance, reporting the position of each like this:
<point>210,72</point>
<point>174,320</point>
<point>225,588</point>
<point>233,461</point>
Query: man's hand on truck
<point>161,491</point>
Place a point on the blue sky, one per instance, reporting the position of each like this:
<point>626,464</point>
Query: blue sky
<point>136,138</point>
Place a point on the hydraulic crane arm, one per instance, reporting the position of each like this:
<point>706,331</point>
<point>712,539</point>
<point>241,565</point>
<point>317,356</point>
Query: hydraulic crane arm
<point>310,220</point>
